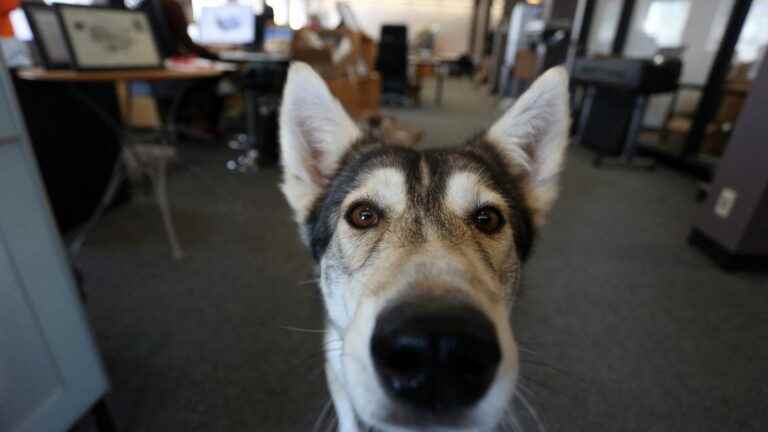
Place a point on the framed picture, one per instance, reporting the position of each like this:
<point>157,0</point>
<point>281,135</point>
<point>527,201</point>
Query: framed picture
<point>103,38</point>
<point>49,36</point>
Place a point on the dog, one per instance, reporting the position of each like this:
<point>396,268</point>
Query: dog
<point>419,254</point>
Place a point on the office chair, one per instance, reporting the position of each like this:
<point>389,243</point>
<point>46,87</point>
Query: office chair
<point>392,63</point>
<point>145,156</point>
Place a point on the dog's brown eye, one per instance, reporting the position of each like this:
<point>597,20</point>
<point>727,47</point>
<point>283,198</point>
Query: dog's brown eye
<point>488,220</point>
<point>363,216</point>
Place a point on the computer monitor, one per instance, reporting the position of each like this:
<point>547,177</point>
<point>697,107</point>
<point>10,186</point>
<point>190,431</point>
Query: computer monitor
<point>230,24</point>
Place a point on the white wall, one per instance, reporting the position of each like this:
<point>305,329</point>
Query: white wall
<point>452,18</point>
<point>700,29</point>
<point>604,23</point>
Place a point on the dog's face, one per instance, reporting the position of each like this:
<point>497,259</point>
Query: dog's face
<point>420,253</point>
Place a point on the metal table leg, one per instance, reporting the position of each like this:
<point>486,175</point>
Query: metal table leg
<point>630,145</point>
<point>633,134</point>
<point>439,84</point>
<point>630,141</point>
<point>119,171</point>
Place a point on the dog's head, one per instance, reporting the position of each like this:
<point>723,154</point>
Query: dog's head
<point>420,252</point>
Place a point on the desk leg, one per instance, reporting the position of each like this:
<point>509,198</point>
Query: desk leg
<point>440,83</point>
<point>161,195</point>
<point>586,107</point>
<point>171,127</point>
<point>630,144</point>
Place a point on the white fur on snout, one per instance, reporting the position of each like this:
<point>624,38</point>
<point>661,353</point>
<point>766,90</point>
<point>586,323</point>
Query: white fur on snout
<point>445,273</point>
<point>386,187</point>
<point>466,192</point>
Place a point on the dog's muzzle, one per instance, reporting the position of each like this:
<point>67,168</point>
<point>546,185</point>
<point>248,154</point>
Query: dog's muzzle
<point>435,355</point>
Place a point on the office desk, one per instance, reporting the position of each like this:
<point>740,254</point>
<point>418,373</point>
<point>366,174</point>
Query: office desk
<point>126,76</point>
<point>432,66</point>
<point>38,74</point>
<point>151,160</point>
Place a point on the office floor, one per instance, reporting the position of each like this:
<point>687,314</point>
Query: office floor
<point>625,327</point>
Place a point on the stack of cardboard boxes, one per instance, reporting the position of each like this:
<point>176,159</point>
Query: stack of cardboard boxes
<point>345,59</point>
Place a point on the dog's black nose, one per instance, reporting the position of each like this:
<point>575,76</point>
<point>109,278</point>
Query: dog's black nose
<point>433,355</point>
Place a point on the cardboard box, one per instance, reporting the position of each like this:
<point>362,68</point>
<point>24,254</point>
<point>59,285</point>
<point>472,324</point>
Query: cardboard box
<point>345,59</point>
<point>360,96</point>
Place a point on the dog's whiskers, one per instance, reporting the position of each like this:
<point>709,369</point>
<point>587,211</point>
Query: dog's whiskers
<point>318,354</point>
<point>522,387</point>
<point>334,424</point>
<point>321,418</point>
<point>307,363</point>
<point>309,282</point>
<point>302,330</point>
<point>510,422</point>
<point>529,408</point>
<point>538,383</point>
<point>545,365</point>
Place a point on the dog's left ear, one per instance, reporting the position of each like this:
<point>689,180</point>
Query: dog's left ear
<point>315,133</point>
<point>533,136</point>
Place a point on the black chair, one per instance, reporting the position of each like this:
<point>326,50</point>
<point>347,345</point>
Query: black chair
<point>392,63</point>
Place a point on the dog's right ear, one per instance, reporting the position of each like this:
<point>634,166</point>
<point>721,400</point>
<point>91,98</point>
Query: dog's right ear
<point>315,133</point>
<point>533,136</point>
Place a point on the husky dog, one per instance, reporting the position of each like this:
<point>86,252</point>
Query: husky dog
<point>419,254</point>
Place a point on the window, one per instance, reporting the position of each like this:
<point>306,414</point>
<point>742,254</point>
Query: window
<point>20,25</point>
<point>657,24</point>
<point>281,9</point>
<point>666,21</point>
<point>604,25</point>
<point>753,34</point>
<point>198,5</point>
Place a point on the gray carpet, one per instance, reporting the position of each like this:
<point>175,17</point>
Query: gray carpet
<point>624,326</point>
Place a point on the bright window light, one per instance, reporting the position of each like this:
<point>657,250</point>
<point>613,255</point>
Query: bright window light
<point>281,10</point>
<point>20,25</point>
<point>666,21</point>
<point>198,5</point>
<point>297,14</point>
<point>754,35</point>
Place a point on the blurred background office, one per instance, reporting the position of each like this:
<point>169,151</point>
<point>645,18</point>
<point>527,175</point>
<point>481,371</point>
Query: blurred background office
<point>151,276</point>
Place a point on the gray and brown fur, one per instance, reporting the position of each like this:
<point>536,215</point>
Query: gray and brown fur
<point>427,173</point>
<point>425,241</point>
